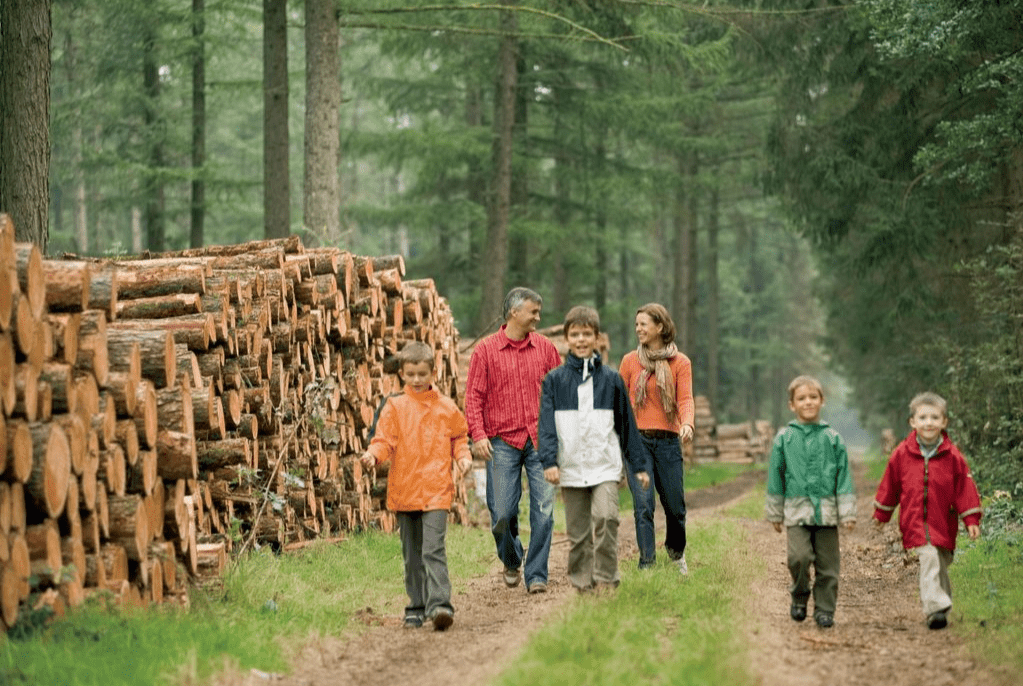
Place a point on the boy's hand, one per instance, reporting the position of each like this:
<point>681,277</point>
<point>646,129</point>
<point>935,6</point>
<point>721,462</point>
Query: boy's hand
<point>482,450</point>
<point>644,479</point>
<point>879,524</point>
<point>367,460</point>
<point>553,475</point>
<point>974,531</point>
<point>849,526</point>
<point>464,465</point>
<point>777,526</point>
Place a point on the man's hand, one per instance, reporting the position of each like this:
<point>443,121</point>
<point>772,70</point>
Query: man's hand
<point>777,526</point>
<point>644,479</point>
<point>553,475</point>
<point>482,449</point>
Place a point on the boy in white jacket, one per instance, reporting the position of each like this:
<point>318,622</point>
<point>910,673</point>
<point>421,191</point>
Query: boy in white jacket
<point>586,427</point>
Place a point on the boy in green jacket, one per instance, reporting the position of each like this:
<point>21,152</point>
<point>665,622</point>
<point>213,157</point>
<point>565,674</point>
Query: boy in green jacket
<point>810,491</point>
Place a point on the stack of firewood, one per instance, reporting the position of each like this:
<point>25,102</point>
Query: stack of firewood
<point>160,413</point>
<point>704,446</point>
<point>745,441</point>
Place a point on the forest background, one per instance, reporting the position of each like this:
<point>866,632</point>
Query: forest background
<point>809,185</point>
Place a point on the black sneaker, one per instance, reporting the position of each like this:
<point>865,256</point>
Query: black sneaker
<point>442,619</point>
<point>938,620</point>
<point>797,612</point>
<point>412,622</point>
<point>825,620</point>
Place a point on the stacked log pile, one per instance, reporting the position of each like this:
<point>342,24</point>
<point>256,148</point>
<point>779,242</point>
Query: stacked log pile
<point>162,413</point>
<point>705,444</point>
<point>745,442</point>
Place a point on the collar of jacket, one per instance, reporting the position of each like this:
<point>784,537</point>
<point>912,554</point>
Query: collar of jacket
<point>807,428</point>
<point>913,445</point>
<point>576,364</point>
<point>424,396</point>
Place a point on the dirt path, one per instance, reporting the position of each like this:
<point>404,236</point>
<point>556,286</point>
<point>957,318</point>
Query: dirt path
<point>879,636</point>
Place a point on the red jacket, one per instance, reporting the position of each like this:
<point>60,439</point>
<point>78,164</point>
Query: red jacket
<point>421,434</point>
<point>931,494</point>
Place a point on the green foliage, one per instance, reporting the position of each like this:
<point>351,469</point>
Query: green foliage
<point>985,374</point>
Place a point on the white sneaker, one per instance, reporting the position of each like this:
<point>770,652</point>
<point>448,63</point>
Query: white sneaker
<point>681,562</point>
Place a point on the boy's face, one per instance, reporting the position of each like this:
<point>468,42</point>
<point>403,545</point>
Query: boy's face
<point>581,340</point>
<point>929,421</point>
<point>417,375</point>
<point>806,402</point>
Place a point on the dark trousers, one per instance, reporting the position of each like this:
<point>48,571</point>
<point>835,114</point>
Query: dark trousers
<point>664,466</point>
<point>426,563</point>
<point>816,547</point>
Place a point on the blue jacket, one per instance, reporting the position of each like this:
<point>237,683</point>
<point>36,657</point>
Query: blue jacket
<point>586,424</point>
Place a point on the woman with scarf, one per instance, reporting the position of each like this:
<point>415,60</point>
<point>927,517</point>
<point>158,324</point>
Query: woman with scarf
<point>659,379</point>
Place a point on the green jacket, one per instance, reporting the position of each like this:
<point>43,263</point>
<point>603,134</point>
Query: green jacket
<point>809,482</point>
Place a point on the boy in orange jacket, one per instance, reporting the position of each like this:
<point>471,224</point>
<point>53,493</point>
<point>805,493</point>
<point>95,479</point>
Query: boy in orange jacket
<point>421,433</point>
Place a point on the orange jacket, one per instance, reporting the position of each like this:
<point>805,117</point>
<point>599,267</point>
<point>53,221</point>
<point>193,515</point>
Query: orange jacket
<point>420,434</point>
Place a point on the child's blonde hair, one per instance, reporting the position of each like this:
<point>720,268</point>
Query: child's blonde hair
<point>928,398</point>
<point>804,380</point>
<point>415,353</point>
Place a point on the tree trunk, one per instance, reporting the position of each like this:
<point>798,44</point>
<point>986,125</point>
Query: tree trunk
<point>197,236</point>
<point>79,206</point>
<point>25,118</point>
<point>713,293</point>
<point>562,203</point>
<point>321,193</point>
<point>276,182</point>
<point>495,259</point>
<point>155,220</point>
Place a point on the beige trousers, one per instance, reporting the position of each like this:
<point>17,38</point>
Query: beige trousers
<point>591,521</point>
<point>935,589</point>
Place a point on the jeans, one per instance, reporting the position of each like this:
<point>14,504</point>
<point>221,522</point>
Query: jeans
<point>504,491</point>
<point>664,466</point>
<point>426,563</point>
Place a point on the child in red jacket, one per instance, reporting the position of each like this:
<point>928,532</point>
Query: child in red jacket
<point>928,478</point>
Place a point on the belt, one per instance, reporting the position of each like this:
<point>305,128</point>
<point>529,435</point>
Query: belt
<point>658,433</point>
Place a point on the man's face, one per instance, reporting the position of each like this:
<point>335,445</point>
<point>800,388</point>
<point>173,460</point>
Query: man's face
<point>526,316</point>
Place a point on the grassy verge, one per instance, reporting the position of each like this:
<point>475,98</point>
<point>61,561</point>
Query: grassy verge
<point>269,604</point>
<point>986,592</point>
<point>657,626</point>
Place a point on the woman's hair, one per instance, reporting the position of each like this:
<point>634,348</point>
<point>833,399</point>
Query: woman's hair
<point>517,296</point>
<point>659,314</point>
<point>581,315</point>
<point>415,353</point>
<point>928,398</point>
<point>804,380</point>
